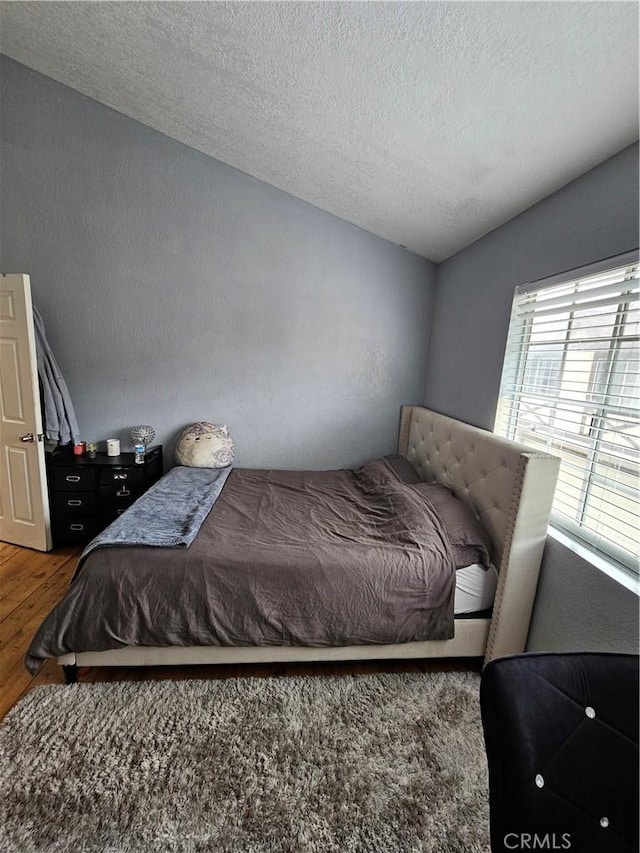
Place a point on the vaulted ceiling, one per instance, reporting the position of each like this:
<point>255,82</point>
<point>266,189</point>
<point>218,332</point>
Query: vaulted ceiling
<point>427,123</point>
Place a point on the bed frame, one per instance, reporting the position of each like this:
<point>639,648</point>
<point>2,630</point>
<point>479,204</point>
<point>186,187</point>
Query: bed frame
<point>508,486</point>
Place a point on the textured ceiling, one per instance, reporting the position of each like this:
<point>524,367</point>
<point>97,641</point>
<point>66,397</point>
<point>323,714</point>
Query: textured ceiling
<point>426,123</point>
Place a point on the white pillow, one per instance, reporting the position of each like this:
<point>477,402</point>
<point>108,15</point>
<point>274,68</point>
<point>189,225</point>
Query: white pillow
<point>205,445</point>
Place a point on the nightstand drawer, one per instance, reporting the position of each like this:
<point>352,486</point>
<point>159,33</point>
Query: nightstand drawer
<point>127,477</point>
<point>73,478</point>
<point>68,504</point>
<point>111,514</point>
<point>121,494</point>
<point>75,530</point>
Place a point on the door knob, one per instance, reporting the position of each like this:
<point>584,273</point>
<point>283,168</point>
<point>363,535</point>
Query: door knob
<point>28,437</point>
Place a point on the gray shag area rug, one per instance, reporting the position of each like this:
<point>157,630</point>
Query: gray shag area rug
<point>389,762</point>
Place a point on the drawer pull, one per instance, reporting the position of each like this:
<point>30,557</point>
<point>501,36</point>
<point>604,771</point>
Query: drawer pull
<point>120,476</point>
<point>76,527</point>
<point>72,478</point>
<point>120,511</point>
<point>123,493</point>
<point>74,503</point>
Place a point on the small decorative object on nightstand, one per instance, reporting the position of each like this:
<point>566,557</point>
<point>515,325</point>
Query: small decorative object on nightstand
<point>142,434</point>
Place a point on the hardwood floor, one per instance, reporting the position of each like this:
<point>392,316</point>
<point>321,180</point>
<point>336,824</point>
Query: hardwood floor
<point>31,583</point>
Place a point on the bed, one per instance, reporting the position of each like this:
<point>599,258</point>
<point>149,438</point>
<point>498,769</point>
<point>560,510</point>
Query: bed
<point>508,487</point>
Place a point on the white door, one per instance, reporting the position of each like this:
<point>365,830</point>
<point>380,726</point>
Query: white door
<point>24,509</point>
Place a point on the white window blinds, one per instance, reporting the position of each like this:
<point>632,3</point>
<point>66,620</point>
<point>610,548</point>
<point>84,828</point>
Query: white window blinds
<point>570,386</point>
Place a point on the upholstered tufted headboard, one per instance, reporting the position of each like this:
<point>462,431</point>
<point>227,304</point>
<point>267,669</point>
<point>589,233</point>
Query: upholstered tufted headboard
<point>510,488</point>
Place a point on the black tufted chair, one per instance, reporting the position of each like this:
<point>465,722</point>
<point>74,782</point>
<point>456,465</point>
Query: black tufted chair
<point>561,734</point>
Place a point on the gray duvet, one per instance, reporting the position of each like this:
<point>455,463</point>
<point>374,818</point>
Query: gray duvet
<point>284,558</point>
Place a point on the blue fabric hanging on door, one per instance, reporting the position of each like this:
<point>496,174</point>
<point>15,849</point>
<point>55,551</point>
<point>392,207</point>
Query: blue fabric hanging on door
<point>58,414</point>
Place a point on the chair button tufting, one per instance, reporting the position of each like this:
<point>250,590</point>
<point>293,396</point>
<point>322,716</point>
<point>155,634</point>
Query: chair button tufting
<point>591,714</point>
<point>604,822</point>
<point>540,781</point>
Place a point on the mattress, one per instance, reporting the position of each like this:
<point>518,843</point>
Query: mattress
<point>475,589</point>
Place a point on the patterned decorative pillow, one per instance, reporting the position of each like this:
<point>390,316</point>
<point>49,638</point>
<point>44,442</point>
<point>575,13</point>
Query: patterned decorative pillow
<point>205,445</point>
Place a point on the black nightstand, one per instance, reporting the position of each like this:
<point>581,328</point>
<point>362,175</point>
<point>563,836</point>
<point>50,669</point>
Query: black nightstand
<point>86,495</point>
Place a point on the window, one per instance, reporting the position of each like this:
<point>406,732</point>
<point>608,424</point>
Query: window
<point>570,386</point>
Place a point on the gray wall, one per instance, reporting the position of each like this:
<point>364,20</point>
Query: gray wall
<point>175,288</point>
<point>591,218</point>
<point>579,608</point>
<point>594,217</point>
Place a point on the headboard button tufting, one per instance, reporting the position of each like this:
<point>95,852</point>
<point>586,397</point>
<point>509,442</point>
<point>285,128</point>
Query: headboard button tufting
<point>513,487</point>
